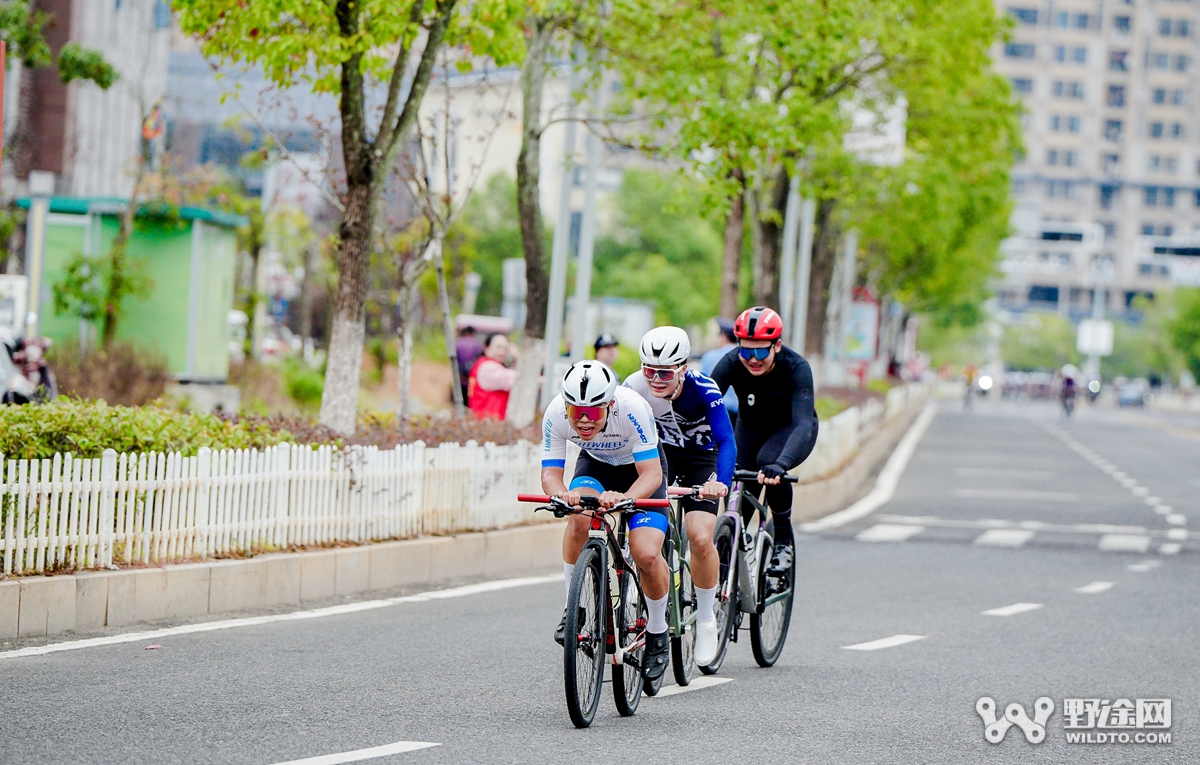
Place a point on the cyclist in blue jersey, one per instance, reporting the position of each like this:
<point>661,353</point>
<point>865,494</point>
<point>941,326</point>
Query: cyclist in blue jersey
<point>619,459</point>
<point>697,440</point>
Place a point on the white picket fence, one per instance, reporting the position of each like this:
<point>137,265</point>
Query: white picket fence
<point>158,508</point>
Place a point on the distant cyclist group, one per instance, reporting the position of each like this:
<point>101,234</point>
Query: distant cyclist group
<point>669,426</point>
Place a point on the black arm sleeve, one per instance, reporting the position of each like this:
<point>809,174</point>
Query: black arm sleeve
<point>803,437</point>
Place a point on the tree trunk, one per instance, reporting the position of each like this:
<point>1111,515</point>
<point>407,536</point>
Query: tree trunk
<point>522,403</point>
<point>306,300</point>
<point>766,288</point>
<point>754,213</point>
<point>339,401</point>
<point>731,258</point>
<point>408,317</point>
<point>827,232</point>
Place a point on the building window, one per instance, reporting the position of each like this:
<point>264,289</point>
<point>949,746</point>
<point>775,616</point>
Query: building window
<point>1024,15</point>
<point>1177,131</point>
<point>1151,196</point>
<point>1158,61</point>
<point>1082,21</point>
<point>1074,124</point>
<point>1071,158</point>
<point>1062,19</point>
<point>1079,55</point>
<point>1075,90</point>
<point>1181,27</point>
<point>1177,97</point>
<point>1110,164</point>
<point>1170,165</point>
<point>1164,27</point>
<point>162,14</point>
<point>1147,229</point>
<point>1112,128</point>
<point>1121,24</point>
<point>1116,97</point>
<point>1019,50</point>
<point>1166,230</point>
<point>1159,96</point>
<point>1110,230</point>
<point>1168,197</point>
<point>1055,122</point>
<point>1118,60</point>
<point>1153,163</point>
<point>1182,63</point>
<point>1156,130</point>
<point>1197,197</point>
<point>1052,157</point>
<point>1022,85</point>
<point>1060,53</point>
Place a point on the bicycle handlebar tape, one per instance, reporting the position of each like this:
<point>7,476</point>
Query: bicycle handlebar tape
<point>533,498</point>
<point>652,503</point>
<point>752,475</point>
<point>678,491</point>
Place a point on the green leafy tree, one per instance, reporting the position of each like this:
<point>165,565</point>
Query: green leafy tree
<point>23,28</point>
<point>1184,329</point>
<point>345,47</point>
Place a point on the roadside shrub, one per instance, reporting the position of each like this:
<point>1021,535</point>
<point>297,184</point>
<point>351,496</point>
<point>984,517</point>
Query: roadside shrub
<point>87,428</point>
<point>122,374</point>
<point>304,385</point>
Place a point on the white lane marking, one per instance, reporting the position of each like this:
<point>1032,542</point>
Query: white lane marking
<point>888,532</point>
<point>1033,496</point>
<point>1164,510</point>
<point>1180,535</point>
<point>992,523</point>
<point>885,485</point>
<point>1095,588</point>
<point>1140,491</point>
<point>1175,519</point>
<point>1124,543</point>
<point>1015,608</point>
<point>698,684</point>
<point>1001,473</point>
<point>1170,548</point>
<point>887,642</point>
<point>254,621</point>
<point>1004,538</point>
<point>362,754</point>
<point>1144,566</point>
<point>1153,501</point>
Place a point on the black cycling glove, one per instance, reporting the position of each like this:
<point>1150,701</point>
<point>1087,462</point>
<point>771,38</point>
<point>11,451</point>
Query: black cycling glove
<point>773,470</point>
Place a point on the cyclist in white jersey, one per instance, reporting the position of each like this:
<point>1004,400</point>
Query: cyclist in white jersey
<point>620,459</point>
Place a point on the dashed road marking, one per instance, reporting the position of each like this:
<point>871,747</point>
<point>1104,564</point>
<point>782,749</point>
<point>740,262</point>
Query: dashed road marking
<point>1178,535</point>
<point>1014,609</point>
<point>1170,548</point>
<point>1144,566</point>
<point>698,684</point>
<point>1095,588</point>
<point>1175,519</point>
<point>363,754</point>
<point>963,472</point>
<point>887,642</point>
<point>1004,538</point>
<point>1023,494</point>
<point>888,532</point>
<point>1124,543</point>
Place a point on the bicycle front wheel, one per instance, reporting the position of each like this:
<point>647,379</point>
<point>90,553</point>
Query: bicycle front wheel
<point>769,627</point>
<point>583,646</point>
<point>724,539</point>
<point>683,640</point>
<point>630,625</point>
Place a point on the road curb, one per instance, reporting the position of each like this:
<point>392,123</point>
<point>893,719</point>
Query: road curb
<point>46,605</point>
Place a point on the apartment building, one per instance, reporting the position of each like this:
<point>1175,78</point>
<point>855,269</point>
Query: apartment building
<point>1111,141</point>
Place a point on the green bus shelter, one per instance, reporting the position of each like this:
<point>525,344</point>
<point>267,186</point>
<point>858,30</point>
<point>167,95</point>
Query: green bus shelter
<point>189,260</point>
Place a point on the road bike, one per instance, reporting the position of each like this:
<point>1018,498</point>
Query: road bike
<point>744,538</point>
<point>681,603</point>
<point>606,609</point>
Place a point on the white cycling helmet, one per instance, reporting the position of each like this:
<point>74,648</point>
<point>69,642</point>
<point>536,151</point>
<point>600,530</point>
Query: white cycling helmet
<point>589,383</point>
<point>665,347</point>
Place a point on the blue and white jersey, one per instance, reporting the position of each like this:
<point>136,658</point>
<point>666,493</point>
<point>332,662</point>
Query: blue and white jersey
<point>629,435</point>
<point>695,419</point>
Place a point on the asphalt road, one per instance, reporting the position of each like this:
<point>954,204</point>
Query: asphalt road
<point>479,675</point>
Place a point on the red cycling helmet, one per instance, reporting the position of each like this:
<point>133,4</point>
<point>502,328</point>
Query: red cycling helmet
<point>758,323</point>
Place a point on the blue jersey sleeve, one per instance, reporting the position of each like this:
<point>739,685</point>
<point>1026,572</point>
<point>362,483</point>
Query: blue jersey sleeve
<point>722,432</point>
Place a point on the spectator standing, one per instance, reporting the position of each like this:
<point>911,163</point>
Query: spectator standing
<point>468,349</point>
<point>489,381</point>
<point>710,358</point>
<point>606,351</point>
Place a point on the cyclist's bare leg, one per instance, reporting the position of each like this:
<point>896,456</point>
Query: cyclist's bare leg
<point>705,565</point>
<point>646,546</point>
<point>575,535</point>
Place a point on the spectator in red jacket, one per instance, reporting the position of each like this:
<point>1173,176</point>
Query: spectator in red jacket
<point>489,382</point>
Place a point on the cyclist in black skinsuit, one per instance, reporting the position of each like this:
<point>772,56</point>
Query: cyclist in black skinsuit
<point>777,422</point>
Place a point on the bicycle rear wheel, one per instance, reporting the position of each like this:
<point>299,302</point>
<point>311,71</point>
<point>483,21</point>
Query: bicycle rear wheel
<point>725,540</point>
<point>583,649</point>
<point>630,622</point>
<point>769,627</point>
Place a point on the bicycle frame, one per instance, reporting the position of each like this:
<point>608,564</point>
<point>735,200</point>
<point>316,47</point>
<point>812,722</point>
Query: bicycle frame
<point>676,561</point>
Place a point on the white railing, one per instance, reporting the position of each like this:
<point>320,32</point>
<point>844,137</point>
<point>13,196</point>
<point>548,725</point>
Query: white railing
<point>70,513</point>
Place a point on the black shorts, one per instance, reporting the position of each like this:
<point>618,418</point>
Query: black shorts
<point>692,467</point>
<point>594,474</point>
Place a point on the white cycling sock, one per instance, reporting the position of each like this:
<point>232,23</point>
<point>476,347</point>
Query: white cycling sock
<point>656,615</point>
<point>568,571</point>
<point>704,603</point>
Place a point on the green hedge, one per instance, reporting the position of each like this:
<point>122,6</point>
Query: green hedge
<point>87,428</point>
